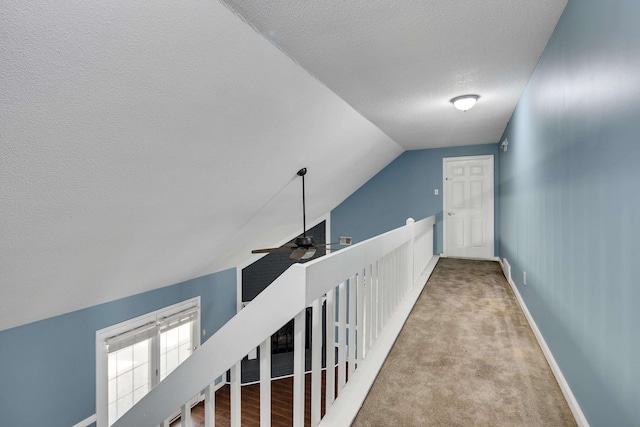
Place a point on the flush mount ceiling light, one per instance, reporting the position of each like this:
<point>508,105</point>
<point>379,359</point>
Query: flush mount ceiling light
<point>464,102</point>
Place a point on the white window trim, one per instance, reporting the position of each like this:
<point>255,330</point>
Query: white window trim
<point>102,404</point>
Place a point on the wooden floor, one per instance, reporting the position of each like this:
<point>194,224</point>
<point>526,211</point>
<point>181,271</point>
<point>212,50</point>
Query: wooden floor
<point>281,404</point>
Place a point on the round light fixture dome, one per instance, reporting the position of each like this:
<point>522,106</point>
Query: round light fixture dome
<point>464,102</point>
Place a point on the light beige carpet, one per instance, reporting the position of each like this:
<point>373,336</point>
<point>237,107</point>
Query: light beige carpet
<point>465,357</point>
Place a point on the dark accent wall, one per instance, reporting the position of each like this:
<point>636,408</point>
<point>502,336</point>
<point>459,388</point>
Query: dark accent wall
<point>570,204</point>
<point>257,276</point>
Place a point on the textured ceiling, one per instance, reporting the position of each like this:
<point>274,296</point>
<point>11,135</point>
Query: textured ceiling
<point>400,62</point>
<point>146,143</point>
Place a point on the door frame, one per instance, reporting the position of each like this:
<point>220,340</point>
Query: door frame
<point>444,200</point>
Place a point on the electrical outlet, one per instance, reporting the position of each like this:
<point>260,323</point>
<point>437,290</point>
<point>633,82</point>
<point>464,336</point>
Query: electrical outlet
<point>436,192</point>
<point>524,277</point>
<point>204,332</point>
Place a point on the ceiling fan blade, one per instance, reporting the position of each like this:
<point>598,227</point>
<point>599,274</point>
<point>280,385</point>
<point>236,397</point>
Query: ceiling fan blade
<point>273,250</point>
<point>310,252</point>
<point>298,253</point>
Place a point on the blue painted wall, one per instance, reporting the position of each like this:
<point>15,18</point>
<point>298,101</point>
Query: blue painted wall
<point>48,368</point>
<point>401,190</point>
<point>570,204</point>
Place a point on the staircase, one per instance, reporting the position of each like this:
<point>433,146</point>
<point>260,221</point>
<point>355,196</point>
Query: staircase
<point>369,287</point>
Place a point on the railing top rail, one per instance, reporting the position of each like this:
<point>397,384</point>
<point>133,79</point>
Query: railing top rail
<point>270,310</point>
<point>327,271</point>
<point>418,227</point>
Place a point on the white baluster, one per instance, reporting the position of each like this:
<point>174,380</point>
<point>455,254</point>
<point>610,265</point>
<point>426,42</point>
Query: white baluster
<point>410,268</point>
<point>330,350</point>
<point>404,268</point>
<point>394,281</point>
<point>265,383</point>
<point>352,325</point>
<point>400,270</point>
<point>378,304</point>
<point>402,273</point>
<point>235,395</point>
<point>379,297</point>
<point>360,318</point>
<point>396,278</point>
<point>185,415</point>
<point>385,289</point>
<point>408,273</point>
<point>410,260</point>
<point>384,284</point>
<point>298,369</point>
<point>412,249</point>
<point>369,307</point>
<point>210,406</point>
<point>316,361</point>
<point>389,287</point>
<point>342,335</point>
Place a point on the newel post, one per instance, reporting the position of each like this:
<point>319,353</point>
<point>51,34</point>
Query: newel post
<point>412,257</point>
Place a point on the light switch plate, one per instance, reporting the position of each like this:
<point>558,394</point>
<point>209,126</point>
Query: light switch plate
<point>436,192</point>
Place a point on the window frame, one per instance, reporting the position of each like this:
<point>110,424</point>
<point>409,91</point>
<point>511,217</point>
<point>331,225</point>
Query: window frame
<point>102,353</point>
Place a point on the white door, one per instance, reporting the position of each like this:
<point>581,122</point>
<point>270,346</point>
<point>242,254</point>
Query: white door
<point>468,207</point>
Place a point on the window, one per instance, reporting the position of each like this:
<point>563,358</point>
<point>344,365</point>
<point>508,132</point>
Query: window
<point>133,356</point>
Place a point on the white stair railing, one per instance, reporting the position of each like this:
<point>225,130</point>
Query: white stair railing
<point>362,285</point>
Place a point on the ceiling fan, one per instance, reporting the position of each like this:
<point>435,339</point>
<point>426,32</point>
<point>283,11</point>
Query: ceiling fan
<point>303,247</point>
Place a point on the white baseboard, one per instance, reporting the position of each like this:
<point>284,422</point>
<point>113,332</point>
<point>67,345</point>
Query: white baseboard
<point>581,420</point>
<point>492,258</point>
<point>350,400</point>
<point>86,422</point>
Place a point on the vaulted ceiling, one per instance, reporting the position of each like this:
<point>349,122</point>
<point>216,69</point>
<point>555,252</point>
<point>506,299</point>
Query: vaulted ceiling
<point>399,63</point>
<point>147,143</point>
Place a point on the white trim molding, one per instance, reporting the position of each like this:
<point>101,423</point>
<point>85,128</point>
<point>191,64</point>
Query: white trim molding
<point>581,420</point>
<point>86,422</point>
<point>445,250</point>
